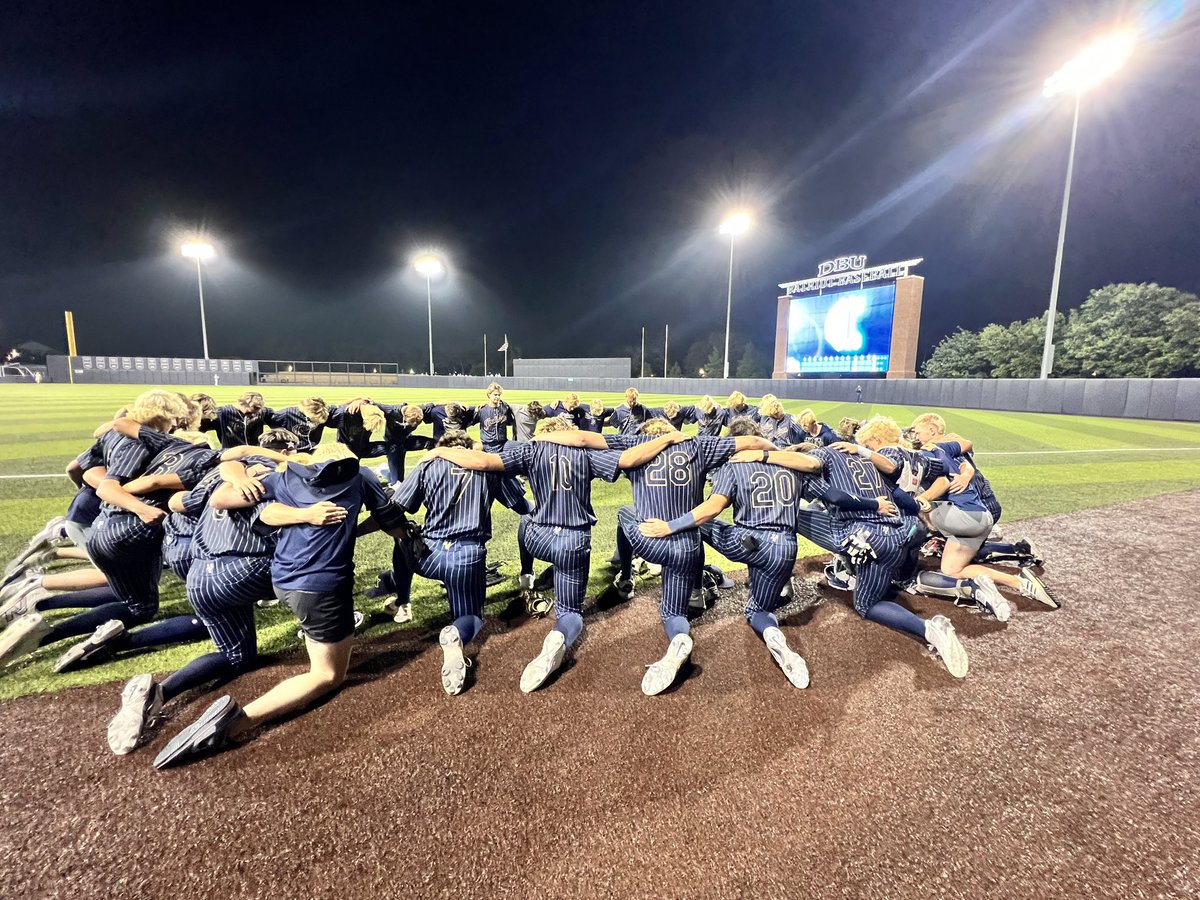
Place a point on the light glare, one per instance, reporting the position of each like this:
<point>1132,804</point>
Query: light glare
<point>200,250</point>
<point>1096,63</point>
<point>429,264</point>
<point>736,223</point>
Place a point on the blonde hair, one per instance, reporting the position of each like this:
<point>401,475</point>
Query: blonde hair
<point>314,409</point>
<point>931,419</point>
<point>330,451</point>
<point>657,427</point>
<point>571,400</point>
<point>671,408</point>
<point>806,418</point>
<point>766,398</point>
<point>195,415</point>
<point>707,404</point>
<point>737,398</point>
<point>158,409</point>
<point>596,407</point>
<point>881,428</point>
<point>631,395</point>
<point>494,387</point>
<point>413,414</point>
<point>372,417</point>
<point>194,437</point>
<point>557,423</point>
<point>208,406</point>
<point>772,408</point>
<point>252,399</point>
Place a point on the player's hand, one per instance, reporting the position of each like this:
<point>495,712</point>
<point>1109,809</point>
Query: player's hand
<point>103,429</point>
<point>151,515</point>
<point>960,482</point>
<point>430,455</point>
<point>925,505</point>
<point>250,488</point>
<point>746,456</point>
<point>886,506</point>
<point>678,438</point>
<point>846,447</point>
<point>858,547</point>
<point>324,513</point>
<point>258,470</point>
<point>654,528</point>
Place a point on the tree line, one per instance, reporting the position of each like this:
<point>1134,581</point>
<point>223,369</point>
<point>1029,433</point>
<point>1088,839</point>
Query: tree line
<point>1119,331</point>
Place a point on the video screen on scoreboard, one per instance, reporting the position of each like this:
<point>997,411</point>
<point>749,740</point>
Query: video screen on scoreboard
<point>844,331</point>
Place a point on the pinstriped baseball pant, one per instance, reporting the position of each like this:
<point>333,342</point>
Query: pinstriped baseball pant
<point>770,565</point>
<point>129,553</point>
<point>459,564</point>
<point>569,550</point>
<point>223,591</point>
<point>680,555</point>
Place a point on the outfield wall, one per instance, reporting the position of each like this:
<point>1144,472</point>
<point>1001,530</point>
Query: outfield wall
<point>1130,398</point>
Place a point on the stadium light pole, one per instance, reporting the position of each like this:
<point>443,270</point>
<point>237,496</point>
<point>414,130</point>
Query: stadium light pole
<point>732,225</point>
<point>431,266</point>
<point>1096,63</point>
<point>201,252</point>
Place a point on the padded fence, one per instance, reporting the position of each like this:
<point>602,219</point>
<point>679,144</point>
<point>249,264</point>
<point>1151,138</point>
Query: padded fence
<point>596,367</point>
<point>151,370</point>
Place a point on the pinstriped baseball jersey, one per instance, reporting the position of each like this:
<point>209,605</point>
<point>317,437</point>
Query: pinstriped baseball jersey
<point>124,459</point>
<point>236,429</point>
<point>709,424</point>
<point>579,415</point>
<point>763,496</point>
<point>320,558</point>
<point>628,419</point>
<point>561,479</point>
<point>781,432</point>
<point>732,412</point>
<point>493,425</point>
<point>673,482</point>
<point>353,433</point>
<point>436,413</point>
<point>232,532</point>
<point>189,462</point>
<point>854,475</point>
<point>458,502</point>
<point>294,420</point>
<point>685,415</point>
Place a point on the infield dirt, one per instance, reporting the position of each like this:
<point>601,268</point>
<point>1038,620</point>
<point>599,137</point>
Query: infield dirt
<point>1065,764</point>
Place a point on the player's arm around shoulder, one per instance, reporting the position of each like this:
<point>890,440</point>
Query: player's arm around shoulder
<point>704,512</point>
<point>476,460</point>
<point>640,454</point>
<point>789,459</point>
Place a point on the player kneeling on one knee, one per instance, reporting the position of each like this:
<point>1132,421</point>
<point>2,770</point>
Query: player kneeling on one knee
<point>313,573</point>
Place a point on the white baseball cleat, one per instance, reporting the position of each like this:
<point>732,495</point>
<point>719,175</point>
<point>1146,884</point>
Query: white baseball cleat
<point>1035,589</point>
<point>554,651</point>
<point>454,664</point>
<point>988,596</point>
<point>400,612</point>
<point>24,601</point>
<point>792,663</point>
<point>624,587</point>
<point>661,675</point>
<point>107,632</point>
<point>939,634</point>
<point>22,637</point>
<point>141,701</point>
<point>25,581</point>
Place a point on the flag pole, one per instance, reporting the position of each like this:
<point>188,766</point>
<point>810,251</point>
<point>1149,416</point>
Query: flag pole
<point>485,371</point>
<point>666,343</point>
<point>643,375</point>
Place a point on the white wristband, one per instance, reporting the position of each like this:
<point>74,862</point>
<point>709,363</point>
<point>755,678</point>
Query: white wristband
<point>864,452</point>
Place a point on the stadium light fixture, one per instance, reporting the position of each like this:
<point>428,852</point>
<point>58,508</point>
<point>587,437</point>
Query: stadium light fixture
<point>431,266</point>
<point>201,252</point>
<point>733,225</point>
<point>1096,63</point>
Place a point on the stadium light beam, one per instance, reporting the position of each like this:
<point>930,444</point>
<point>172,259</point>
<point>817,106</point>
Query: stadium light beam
<point>1095,64</point>
<point>201,252</point>
<point>431,266</point>
<point>733,225</point>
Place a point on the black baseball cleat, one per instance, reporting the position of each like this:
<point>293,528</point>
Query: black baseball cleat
<point>207,734</point>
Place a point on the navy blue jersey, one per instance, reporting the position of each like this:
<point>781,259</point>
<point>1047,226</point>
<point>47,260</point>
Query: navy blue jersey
<point>824,437</point>
<point>294,420</point>
<point>853,475</point>
<point>763,496</point>
<point>320,558</point>
<point>781,432</point>
<point>579,415</point>
<point>442,422</point>
<point>458,502</point>
<point>123,459</point>
<point>238,429</point>
<point>732,412</point>
<point>158,441</point>
<point>623,442</point>
<point>968,500</point>
<point>84,508</point>
<point>979,482</point>
<point>353,433</point>
<point>589,421</point>
<point>188,462</point>
<point>628,419</point>
<point>673,482</point>
<point>709,424</point>
<point>395,429</point>
<point>227,532</point>
<point>685,415</point>
<point>561,479</point>
<point>493,425</point>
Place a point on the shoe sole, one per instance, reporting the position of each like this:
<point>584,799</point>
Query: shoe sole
<point>662,674</point>
<point>1039,589</point>
<point>992,600</point>
<point>454,664</point>
<point>546,663</point>
<point>792,663</point>
<point>201,730</point>
<point>24,640</point>
<point>129,724</point>
<point>88,648</point>
<point>954,657</point>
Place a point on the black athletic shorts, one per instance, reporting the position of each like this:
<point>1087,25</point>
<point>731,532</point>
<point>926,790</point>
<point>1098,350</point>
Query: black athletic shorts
<point>326,618</point>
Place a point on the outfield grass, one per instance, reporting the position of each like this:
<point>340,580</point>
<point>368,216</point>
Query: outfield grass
<point>42,427</point>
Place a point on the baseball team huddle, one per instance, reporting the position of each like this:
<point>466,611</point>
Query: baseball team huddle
<point>272,517</point>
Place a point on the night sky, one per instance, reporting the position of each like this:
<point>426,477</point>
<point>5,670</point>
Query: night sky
<point>572,160</point>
